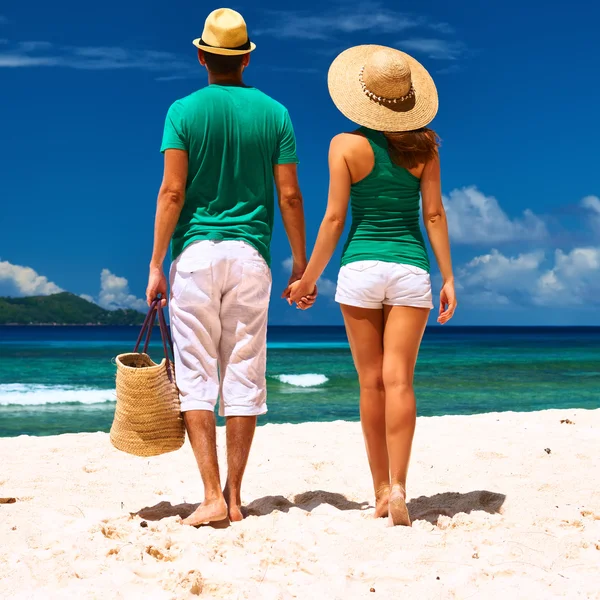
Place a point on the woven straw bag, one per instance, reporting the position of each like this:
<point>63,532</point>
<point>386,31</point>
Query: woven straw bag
<point>147,417</point>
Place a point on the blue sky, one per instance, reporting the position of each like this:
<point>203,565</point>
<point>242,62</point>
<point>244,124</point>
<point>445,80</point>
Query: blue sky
<point>85,90</point>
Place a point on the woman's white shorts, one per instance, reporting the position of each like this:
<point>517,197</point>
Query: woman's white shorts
<point>375,283</point>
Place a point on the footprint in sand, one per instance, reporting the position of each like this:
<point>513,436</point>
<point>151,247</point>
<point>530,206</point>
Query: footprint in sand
<point>191,582</point>
<point>490,455</point>
<point>572,523</point>
<point>318,466</point>
<point>163,554</point>
<point>113,533</point>
<point>93,468</point>
<point>588,514</point>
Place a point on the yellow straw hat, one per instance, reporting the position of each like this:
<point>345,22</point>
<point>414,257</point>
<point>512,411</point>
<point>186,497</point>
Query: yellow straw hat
<point>225,33</point>
<point>383,89</point>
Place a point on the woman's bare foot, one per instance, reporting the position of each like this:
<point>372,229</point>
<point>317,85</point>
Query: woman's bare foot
<point>382,498</point>
<point>398,509</point>
<point>234,505</point>
<point>207,512</point>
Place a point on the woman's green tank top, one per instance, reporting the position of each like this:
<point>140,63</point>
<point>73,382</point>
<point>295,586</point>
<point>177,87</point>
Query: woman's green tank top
<point>385,212</point>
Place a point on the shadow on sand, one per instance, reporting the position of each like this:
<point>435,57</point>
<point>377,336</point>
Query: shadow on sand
<point>307,501</point>
<point>164,510</point>
<point>430,508</point>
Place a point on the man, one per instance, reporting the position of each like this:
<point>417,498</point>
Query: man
<point>223,145</point>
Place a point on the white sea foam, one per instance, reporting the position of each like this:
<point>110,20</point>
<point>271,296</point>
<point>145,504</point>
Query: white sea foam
<point>306,380</point>
<point>20,394</point>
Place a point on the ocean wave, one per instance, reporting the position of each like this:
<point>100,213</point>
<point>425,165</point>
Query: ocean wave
<point>19,394</point>
<point>306,380</point>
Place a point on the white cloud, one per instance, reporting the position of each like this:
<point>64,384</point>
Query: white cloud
<point>474,218</point>
<point>450,69</point>
<point>434,48</point>
<point>326,287</point>
<point>34,46</point>
<point>177,77</point>
<point>497,267</point>
<point>567,279</point>
<point>16,280</point>
<point>497,279</point>
<point>363,17</point>
<point>95,58</point>
<point>592,204</point>
<point>114,293</point>
<point>573,280</point>
<point>444,28</point>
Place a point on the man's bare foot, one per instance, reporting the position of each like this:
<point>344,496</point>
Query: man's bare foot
<point>207,512</point>
<point>398,509</point>
<point>235,513</point>
<point>234,505</point>
<point>382,497</point>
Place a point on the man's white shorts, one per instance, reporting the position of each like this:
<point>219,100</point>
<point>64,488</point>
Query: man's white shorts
<point>219,304</point>
<point>373,283</point>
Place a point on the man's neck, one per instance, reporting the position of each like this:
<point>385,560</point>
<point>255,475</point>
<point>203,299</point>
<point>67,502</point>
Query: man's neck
<point>235,80</point>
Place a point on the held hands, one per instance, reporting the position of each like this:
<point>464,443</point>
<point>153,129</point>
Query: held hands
<point>302,293</point>
<point>157,284</point>
<point>305,300</point>
<point>447,302</point>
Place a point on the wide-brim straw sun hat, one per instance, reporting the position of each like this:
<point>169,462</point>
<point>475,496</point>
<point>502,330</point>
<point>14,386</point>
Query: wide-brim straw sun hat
<point>225,33</point>
<point>383,89</point>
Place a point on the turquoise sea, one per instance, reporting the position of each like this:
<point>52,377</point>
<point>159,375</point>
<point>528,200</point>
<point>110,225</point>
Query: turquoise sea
<point>61,379</point>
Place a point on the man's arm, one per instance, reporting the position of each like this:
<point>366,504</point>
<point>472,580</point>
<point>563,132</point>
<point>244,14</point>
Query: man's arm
<point>292,213</point>
<point>171,198</point>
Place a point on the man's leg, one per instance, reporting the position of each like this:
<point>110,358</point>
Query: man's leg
<point>240,432</point>
<point>195,323</point>
<point>243,353</point>
<point>201,428</point>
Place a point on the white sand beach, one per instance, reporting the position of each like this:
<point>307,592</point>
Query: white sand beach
<point>495,516</point>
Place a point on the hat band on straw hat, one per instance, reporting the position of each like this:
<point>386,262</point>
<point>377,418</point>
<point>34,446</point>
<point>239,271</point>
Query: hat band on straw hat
<point>245,46</point>
<point>374,96</point>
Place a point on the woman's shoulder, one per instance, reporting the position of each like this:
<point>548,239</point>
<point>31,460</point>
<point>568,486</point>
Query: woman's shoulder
<point>349,140</point>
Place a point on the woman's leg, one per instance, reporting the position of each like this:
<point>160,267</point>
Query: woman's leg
<point>403,331</point>
<point>364,327</point>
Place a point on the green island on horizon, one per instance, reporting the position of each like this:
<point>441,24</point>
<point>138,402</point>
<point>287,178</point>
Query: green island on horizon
<point>62,309</point>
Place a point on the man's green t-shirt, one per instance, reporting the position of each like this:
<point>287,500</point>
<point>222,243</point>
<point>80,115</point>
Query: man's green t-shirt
<point>233,136</point>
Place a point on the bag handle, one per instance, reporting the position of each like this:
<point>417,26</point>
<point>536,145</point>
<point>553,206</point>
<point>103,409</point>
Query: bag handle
<point>150,316</point>
<point>155,310</point>
<point>166,340</point>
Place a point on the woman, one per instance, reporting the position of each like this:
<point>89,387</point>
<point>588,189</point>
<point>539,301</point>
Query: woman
<point>384,285</point>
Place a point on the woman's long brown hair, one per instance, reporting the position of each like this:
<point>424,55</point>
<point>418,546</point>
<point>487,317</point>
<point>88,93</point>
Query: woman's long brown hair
<point>410,149</point>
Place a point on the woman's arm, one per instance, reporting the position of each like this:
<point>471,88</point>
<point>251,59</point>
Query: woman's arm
<point>436,225</point>
<point>333,222</point>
